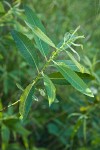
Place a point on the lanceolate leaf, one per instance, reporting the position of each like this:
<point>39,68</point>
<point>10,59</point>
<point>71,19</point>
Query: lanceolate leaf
<point>26,48</point>
<point>73,79</point>
<point>50,88</point>
<point>42,36</point>
<point>57,78</point>
<point>26,101</point>
<point>72,64</point>
<point>33,21</point>
<point>81,68</point>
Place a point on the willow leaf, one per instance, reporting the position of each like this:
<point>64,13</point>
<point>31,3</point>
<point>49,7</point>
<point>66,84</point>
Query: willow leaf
<point>26,48</point>
<point>2,10</point>
<point>33,21</point>
<point>26,101</point>
<point>73,79</point>
<point>50,88</point>
<point>57,78</point>
<point>43,37</point>
<point>72,64</point>
<point>81,67</point>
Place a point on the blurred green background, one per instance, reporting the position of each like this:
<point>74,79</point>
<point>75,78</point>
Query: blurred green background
<point>73,123</point>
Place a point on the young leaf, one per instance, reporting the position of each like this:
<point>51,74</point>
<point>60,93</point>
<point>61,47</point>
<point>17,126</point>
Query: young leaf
<point>43,37</point>
<point>50,88</point>
<point>26,48</point>
<point>33,21</point>
<point>73,79</point>
<point>81,68</point>
<point>26,101</point>
<point>5,136</point>
<point>73,65</point>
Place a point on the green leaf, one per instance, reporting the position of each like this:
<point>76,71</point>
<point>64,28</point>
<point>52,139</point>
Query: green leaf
<point>19,86</point>
<point>73,66</point>
<point>5,136</point>
<point>1,113</point>
<point>76,128</point>
<point>42,36</point>
<point>50,88</point>
<point>2,10</point>
<point>33,21</point>
<point>57,78</point>
<point>70,64</point>
<point>26,48</point>
<point>81,68</point>
<point>26,101</point>
<point>73,79</point>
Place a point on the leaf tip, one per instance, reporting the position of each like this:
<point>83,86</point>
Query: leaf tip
<point>21,117</point>
<point>89,92</point>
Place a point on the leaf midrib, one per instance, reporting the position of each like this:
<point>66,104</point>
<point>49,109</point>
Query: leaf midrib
<point>29,52</point>
<point>35,35</point>
<point>73,79</point>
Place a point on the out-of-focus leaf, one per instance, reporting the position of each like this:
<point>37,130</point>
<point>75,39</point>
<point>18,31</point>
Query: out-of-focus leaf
<point>20,129</point>
<point>2,10</point>
<point>76,128</point>
<point>6,83</point>
<point>53,129</point>
<point>1,113</point>
<point>19,86</point>
<point>15,146</point>
<point>10,121</point>
<point>5,135</point>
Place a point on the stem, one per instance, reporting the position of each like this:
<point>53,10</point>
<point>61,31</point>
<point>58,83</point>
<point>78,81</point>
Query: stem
<point>54,54</point>
<point>10,105</point>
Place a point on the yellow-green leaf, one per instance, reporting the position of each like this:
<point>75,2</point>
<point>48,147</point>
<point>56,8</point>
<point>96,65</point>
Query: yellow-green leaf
<point>43,37</point>
<point>26,101</point>
<point>2,10</point>
<point>81,68</point>
<point>50,89</point>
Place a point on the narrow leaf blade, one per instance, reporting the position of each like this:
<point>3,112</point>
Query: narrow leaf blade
<point>57,78</point>
<point>50,88</point>
<point>26,48</point>
<point>26,101</point>
<point>81,68</point>
<point>70,64</point>
<point>73,79</point>
<point>32,21</point>
<point>43,37</point>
